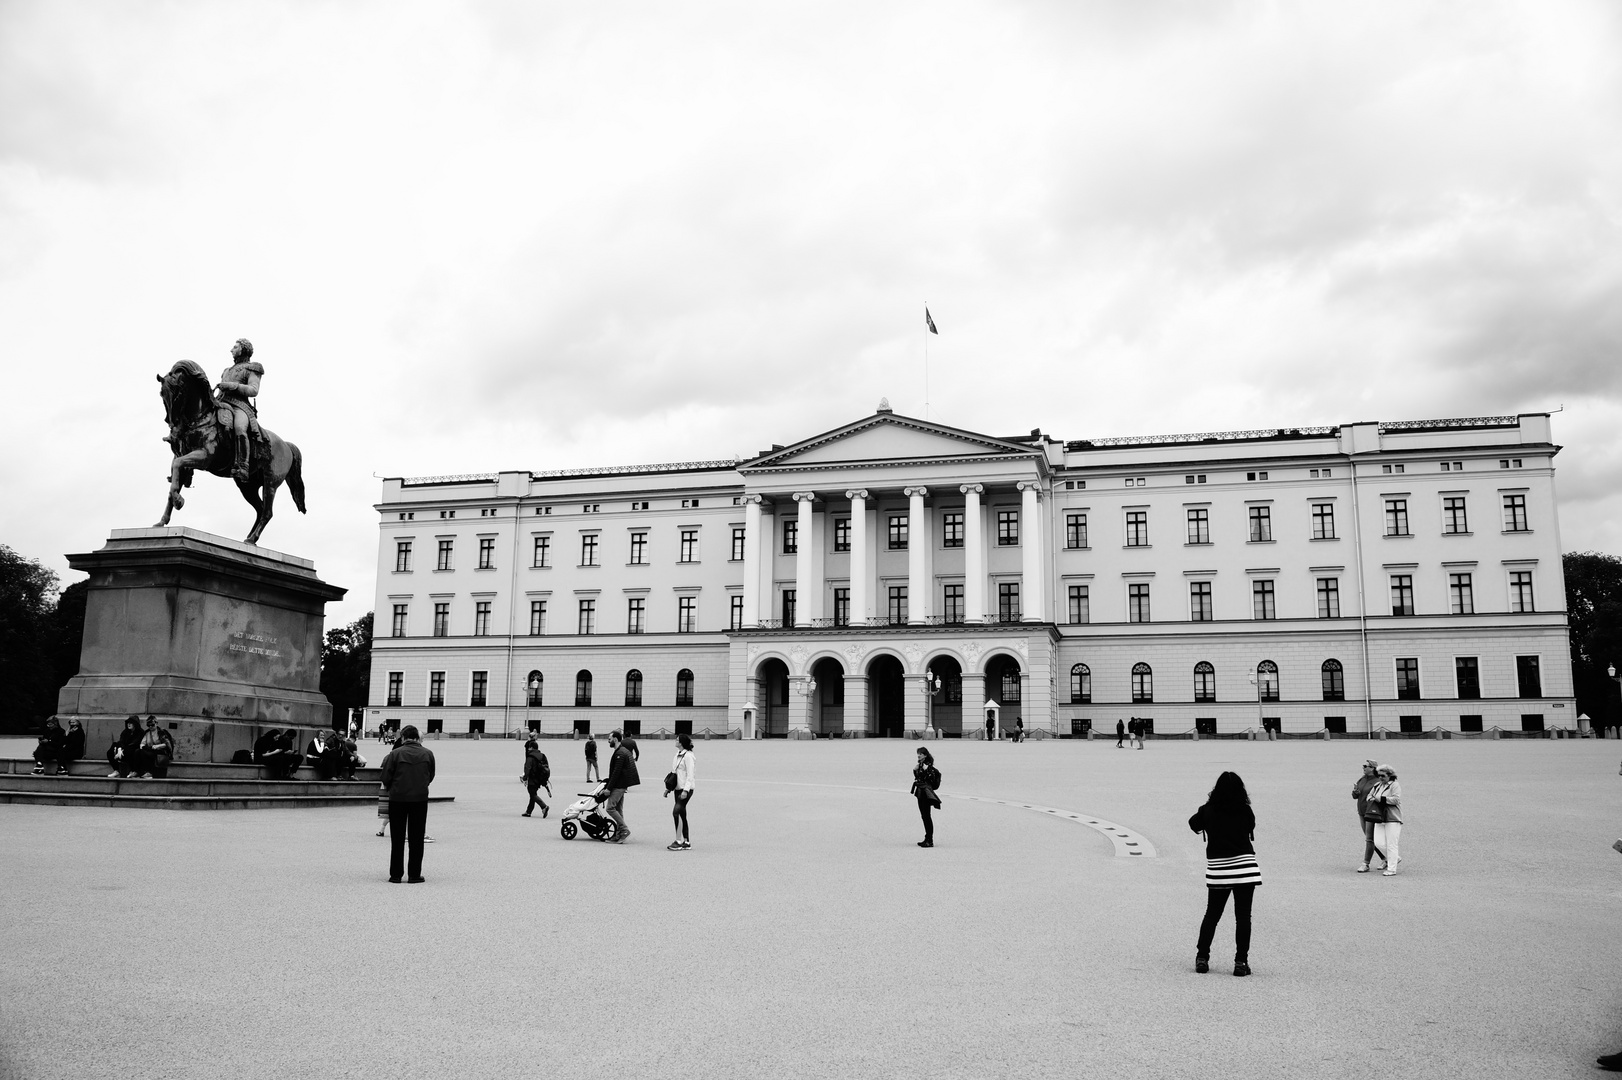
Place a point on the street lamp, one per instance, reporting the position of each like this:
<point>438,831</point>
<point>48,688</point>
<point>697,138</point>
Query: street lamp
<point>1257,683</point>
<point>529,699</point>
<point>1611,671</point>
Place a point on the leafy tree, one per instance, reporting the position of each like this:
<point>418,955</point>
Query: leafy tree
<point>27,599</point>
<point>346,667</point>
<point>1594,611</point>
<point>67,632</point>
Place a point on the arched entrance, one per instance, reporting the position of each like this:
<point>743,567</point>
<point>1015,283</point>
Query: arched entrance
<point>946,696</point>
<point>1002,686</point>
<point>773,676</point>
<point>828,700</point>
<point>886,690</point>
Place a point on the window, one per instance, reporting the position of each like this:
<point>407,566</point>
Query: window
<point>442,620</point>
<point>1137,528</point>
<point>591,508</point>
<point>481,683</point>
<point>898,532</point>
<point>952,529</point>
<point>1267,680</point>
<point>1143,684</point>
<point>398,627</point>
<point>842,605</point>
<point>582,689</point>
<point>689,546</point>
<point>842,534</point>
<point>588,550</point>
<point>1010,685</point>
<point>396,687</point>
<point>1261,524</point>
<point>1328,598</point>
<point>1520,591</point>
<point>1080,605</point>
<point>633,688</point>
<point>791,537</point>
<point>898,604</point>
<point>1396,517</point>
<point>788,607</point>
<point>481,618</point>
<point>952,606</point>
<point>639,548</point>
<point>1199,601</point>
<point>1408,678</point>
<point>737,545</point>
<point>537,618</point>
<point>487,553</point>
<point>1008,601</point>
<point>1515,513</point>
<point>1402,594</point>
<point>635,610</point>
<point>1454,519</point>
<point>445,549</point>
<point>1199,526</point>
<point>1007,528</point>
<point>543,552</point>
<point>436,689</point>
<point>684,687</point>
<point>1461,596</point>
<point>1137,602</point>
<point>1261,599</point>
<point>1081,685</point>
<point>1528,681</point>
<point>1334,680</point>
<point>1256,476</point>
<point>1323,521</point>
<point>1393,468</point>
<point>1204,682</point>
<point>1467,674</point>
<point>735,617</point>
<point>686,614</point>
<point>534,683</point>
<point>402,556</point>
<point>1075,530</point>
<point>588,617</point>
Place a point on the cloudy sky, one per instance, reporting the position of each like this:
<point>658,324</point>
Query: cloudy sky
<point>475,236</point>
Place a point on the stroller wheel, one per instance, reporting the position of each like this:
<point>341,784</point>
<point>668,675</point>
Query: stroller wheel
<point>568,829</point>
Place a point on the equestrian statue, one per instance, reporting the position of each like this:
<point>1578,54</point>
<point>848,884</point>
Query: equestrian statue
<point>216,429</point>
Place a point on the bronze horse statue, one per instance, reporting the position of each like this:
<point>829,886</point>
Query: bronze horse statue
<point>199,442</point>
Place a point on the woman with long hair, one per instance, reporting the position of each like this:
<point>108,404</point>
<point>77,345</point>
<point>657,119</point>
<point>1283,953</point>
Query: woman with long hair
<point>686,772</point>
<point>1229,827</point>
<point>925,779</point>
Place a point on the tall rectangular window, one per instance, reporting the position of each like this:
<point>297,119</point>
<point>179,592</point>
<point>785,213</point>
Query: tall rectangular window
<point>1468,674</point>
<point>481,618</point>
<point>1402,594</point>
<point>952,529</point>
<point>1323,521</point>
<point>1454,518</point>
<point>1137,528</point>
<point>1075,530</point>
<point>1396,517</point>
<point>1520,591</point>
<point>1515,513</point>
<point>898,604</point>
<point>1199,601</point>
<point>898,532</point>
<point>398,627</point>
<point>1199,526</point>
<point>953,603</point>
<point>1137,602</point>
<point>639,548</point>
<point>686,614</point>
<point>543,553</point>
<point>737,545</point>
<point>1007,528</point>
<point>842,607</point>
<point>1261,524</point>
<point>537,618</point>
<point>480,686</point>
<point>841,535</point>
<point>588,550</point>
<point>1408,678</point>
<point>788,607</point>
<point>791,537</point>
<point>636,609</point>
<point>1080,604</point>
<point>402,556</point>
<point>1008,601</point>
<point>735,615</point>
<point>1204,683</point>
<point>436,688</point>
<point>1528,680</point>
<point>1461,595</point>
<point>442,620</point>
<point>689,545</point>
<point>445,549</point>
<point>1261,599</point>
<point>587,623</point>
<point>396,687</point>
<point>487,553</point>
<point>1328,598</point>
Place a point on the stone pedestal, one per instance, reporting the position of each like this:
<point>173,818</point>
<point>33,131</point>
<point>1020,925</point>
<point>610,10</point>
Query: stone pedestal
<point>217,638</point>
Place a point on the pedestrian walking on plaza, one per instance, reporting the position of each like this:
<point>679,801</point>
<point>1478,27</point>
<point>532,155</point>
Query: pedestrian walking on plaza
<point>1019,730</point>
<point>1120,732</point>
<point>925,779</point>
<point>684,770</point>
<point>537,774</point>
<point>1387,796</point>
<point>1229,826</point>
<point>407,772</point>
<point>1360,792</point>
<point>591,759</point>
<point>622,776</point>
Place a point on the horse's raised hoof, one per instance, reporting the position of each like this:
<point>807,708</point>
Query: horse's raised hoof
<point>180,501</point>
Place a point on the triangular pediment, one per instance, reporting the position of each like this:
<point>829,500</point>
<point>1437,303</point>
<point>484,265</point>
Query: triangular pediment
<point>886,437</point>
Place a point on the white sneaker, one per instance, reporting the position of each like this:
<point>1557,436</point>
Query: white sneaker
<point>112,775</point>
<point>1363,869</point>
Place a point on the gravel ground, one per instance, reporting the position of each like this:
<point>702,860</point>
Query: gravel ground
<point>806,936</point>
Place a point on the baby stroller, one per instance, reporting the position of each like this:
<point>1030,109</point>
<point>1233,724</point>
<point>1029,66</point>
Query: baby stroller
<point>586,813</point>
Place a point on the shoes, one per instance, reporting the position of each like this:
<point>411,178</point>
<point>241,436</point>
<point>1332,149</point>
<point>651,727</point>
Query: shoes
<point>392,880</point>
<point>428,839</point>
<point>1201,966</point>
<point>545,810</point>
<point>420,880</point>
<point>39,770</point>
<point>61,770</point>
<point>112,775</point>
<point>380,832</point>
<point>1391,869</point>
<point>1363,869</point>
<point>675,845</point>
<point>625,834</point>
<point>687,845</point>
<point>1241,968</point>
<point>526,814</point>
<point>1613,1062</point>
<point>926,843</point>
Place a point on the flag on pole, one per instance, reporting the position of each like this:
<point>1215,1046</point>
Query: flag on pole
<point>930,322</point>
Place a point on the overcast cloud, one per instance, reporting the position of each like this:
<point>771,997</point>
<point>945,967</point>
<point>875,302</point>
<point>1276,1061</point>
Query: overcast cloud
<point>517,235</point>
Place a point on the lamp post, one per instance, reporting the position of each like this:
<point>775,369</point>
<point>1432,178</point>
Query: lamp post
<point>931,687</point>
<point>529,699</point>
<point>1257,683</point>
<point>1611,671</point>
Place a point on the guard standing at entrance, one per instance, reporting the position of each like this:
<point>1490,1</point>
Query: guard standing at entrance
<point>991,724</point>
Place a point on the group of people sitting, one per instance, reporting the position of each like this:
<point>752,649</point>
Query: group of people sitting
<point>141,753</point>
<point>330,753</point>
<point>146,751</point>
<point>57,747</point>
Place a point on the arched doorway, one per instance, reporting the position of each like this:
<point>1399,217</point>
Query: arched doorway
<point>773,676</point>
<point>946,696</point>
<point>886,689</point>
<point>1002,686</point>
<point>828,700</point>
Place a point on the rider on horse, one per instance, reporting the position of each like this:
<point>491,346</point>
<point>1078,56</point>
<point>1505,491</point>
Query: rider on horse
<point>238,386</point>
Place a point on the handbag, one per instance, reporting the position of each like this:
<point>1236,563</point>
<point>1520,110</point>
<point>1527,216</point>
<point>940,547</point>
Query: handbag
<point>1374,810</point>
<point>670,781</point>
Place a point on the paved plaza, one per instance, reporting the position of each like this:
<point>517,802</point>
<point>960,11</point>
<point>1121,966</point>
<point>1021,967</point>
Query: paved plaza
<point>805,935</point>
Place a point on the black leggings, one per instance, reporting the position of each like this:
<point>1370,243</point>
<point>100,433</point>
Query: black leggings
<point>678,813</point>
<point>1215,901</point>
<point>924,807</point>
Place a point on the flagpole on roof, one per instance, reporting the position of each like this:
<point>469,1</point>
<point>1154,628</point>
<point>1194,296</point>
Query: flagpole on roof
<point>929,328</point>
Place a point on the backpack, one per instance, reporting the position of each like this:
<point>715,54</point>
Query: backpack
<point>933,775</point>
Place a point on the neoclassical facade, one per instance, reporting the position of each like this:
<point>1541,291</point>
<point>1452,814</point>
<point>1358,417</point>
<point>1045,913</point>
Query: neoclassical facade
<point>896,575</point>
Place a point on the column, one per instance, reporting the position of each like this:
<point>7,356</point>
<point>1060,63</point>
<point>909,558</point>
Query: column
<point>855,706</point>
<point>914,699</point>
<point>1033,596</point>
<point>917,555</point>
<point>751,560</point>
<point>807,581</point>
<point>858,570</point>
<point>974,702</point>
<point>974,557</point>
<point>799,706</point>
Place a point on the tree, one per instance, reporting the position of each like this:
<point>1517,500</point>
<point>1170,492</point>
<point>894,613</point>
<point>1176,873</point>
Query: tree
<point>27,600</point>
<point>346,667</point>
<point>1594,611</point>
<point>67,632</point>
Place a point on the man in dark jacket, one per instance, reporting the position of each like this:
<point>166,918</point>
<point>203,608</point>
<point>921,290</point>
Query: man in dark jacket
<point>537,774</point>
<point>622,776</point>
<point>407,772</point>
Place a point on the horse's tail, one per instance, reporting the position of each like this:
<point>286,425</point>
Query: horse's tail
<point>295,478</point>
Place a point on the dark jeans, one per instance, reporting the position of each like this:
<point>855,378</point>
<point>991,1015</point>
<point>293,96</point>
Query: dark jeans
<point>122,760</point>
<point>679,813</point>
<point>924,808</point>
<point>1369,850</point>
<point>152,761</point>
<point>1215,901</point>
<point>535,798</point>
<point>406,820</point>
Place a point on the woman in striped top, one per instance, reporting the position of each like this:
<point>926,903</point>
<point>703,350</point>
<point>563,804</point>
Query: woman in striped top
<point>1229,826</point>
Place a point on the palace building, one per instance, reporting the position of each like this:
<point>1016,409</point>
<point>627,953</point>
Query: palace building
<point>896,575</point>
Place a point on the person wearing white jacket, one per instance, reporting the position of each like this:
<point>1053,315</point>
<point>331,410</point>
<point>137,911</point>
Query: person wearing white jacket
<point>686,772</point>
